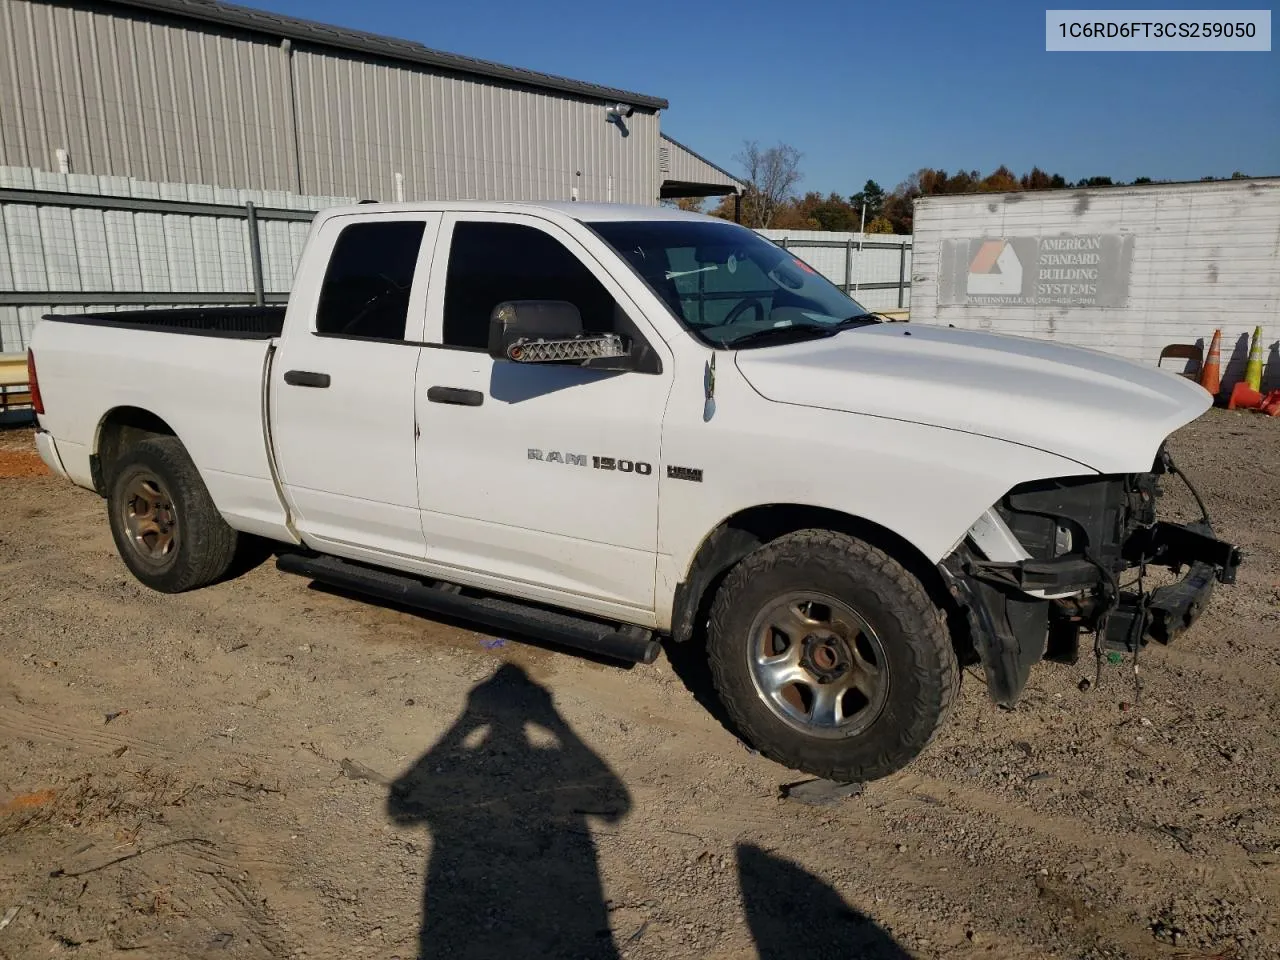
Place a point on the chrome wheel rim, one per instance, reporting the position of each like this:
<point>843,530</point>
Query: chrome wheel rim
<point>150,519</point>
<point>818,665</point>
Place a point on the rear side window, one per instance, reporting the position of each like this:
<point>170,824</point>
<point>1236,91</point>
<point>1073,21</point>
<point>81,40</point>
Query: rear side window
<point>493,262</point>
<point>366,286</point>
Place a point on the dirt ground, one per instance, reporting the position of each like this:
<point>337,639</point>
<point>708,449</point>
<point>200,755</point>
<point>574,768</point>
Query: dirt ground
<point>266,769</point>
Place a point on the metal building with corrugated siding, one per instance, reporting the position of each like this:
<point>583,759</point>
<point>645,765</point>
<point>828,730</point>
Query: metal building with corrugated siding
<point>1128,270</point>
<point>200,92</point>
<point>686,174</point>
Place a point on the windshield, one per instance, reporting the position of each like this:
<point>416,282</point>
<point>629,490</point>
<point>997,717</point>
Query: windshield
<point>728,284</point>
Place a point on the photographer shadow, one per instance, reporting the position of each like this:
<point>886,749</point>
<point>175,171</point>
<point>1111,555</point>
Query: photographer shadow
<point>791,913</point>
<point>507,794</point>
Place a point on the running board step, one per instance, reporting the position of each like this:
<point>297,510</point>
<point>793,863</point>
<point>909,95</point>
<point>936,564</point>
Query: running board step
<point>628,643</point>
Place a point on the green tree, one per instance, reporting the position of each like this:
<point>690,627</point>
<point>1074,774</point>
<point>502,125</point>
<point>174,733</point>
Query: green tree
<point>1037,179</point>
<point>835,213</point>
<point>873,196</point>
<point>965,181</point>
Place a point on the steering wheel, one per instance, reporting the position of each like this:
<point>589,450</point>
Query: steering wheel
<point>742,307</point>
<point>391,287</point>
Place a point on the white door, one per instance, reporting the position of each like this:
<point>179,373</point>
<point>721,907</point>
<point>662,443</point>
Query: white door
<point>541,478</point>
<point>342,387</point>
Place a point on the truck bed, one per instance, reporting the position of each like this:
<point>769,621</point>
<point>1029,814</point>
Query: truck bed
<point>207,388</point>
<point>242,323</point>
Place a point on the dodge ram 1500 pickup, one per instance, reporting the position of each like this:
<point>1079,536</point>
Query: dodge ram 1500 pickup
<point>605,425</point>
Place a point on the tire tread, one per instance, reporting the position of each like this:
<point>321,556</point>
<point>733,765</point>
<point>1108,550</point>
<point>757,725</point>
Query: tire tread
<point>934,664</point>
<point>207,547</point>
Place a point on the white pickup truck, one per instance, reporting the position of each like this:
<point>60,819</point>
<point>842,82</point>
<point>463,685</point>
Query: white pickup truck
<point>604,425</point>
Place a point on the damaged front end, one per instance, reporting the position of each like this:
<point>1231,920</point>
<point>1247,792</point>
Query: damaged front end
<point>1046,562</point>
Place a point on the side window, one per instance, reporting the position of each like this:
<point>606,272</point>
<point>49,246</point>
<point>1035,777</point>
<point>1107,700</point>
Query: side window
<point>366,286</point>
<point>493,262</point>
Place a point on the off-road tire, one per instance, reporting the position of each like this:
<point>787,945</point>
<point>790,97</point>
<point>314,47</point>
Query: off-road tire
<point>205,545</point>
<point>923,672</point>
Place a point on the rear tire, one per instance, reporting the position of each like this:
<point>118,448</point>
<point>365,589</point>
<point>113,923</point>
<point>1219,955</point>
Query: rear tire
<point>830,657</point>
<point>165,525</point>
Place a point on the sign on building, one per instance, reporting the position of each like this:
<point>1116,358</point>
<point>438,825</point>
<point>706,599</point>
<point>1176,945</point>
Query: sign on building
<point>1078,270</point>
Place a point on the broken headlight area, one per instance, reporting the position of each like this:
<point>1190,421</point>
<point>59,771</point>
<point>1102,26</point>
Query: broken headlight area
<point>1056,559</point>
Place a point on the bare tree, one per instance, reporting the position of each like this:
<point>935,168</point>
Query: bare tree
<point>771,174</point>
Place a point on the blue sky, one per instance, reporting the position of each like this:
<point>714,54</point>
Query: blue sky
<point>874,89</point>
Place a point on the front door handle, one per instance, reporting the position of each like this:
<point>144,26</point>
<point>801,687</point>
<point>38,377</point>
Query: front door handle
<point>305,378</point>
<point>455,395</point>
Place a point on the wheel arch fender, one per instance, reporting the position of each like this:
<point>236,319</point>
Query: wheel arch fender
<point>750,528</point>
<point>119,429</point>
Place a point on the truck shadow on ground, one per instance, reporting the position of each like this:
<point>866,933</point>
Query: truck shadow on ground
<point>509,793</point>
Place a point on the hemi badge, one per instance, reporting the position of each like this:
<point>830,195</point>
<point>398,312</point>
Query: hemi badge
<point>685,473</point>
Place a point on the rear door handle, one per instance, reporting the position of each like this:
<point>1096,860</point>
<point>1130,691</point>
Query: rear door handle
<point>455,395</point>
<point>305,378</point>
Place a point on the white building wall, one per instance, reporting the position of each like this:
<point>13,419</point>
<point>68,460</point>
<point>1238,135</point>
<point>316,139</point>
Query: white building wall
<point>1174,263</point>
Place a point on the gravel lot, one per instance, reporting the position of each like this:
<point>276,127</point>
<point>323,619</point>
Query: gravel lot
<point>267,769</point>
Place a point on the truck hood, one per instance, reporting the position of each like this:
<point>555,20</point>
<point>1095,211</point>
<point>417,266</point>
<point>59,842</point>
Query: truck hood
<point>1101,411</point>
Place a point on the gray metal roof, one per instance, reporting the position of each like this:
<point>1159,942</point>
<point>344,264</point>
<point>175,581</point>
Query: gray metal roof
<point>689,166</point>
<point>408,51</point>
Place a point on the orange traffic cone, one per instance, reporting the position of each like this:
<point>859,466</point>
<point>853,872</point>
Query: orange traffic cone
<point>1211,372</point>
<point>1244,397</point>
<point>1271,404</point>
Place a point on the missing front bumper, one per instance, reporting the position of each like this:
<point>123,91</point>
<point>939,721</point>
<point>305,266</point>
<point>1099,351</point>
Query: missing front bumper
<point>1012,618</point>
<point>1160,544</point>
<point>1161,614</point>
<point>1176,545</point>
<point>1164,613</point>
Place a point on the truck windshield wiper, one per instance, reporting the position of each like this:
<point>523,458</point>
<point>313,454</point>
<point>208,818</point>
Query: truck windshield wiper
<point>787,334</point>
<point>859,320</point>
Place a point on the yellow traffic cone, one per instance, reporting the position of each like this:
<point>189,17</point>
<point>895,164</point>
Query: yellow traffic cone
<point>1253,370</point>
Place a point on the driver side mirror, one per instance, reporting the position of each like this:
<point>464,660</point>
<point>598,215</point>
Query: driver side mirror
<point>550,331</point>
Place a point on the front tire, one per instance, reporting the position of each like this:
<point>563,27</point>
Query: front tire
<point>165,525</point>
<point>830,657</point>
